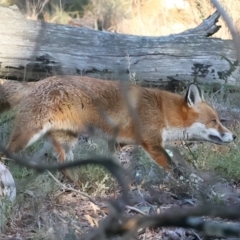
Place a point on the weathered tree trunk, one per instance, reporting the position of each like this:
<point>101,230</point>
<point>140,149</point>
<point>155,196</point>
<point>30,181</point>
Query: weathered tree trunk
<point>31,50</point>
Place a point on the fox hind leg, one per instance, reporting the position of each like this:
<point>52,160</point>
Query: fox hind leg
<point>19,139</point>
<point>62,143</point>
<point>67,140</point>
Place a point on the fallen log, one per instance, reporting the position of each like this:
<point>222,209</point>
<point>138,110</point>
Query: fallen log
<point>32,50</point>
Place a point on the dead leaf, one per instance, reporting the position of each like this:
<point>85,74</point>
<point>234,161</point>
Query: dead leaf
<point>95,207</point>
<point>93,222</point>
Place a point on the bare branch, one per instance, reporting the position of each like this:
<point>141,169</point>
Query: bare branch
<point>232,28</point>
<point>186,218</point>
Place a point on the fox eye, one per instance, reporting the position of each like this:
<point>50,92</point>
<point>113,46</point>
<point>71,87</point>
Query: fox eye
<point>214,121</point>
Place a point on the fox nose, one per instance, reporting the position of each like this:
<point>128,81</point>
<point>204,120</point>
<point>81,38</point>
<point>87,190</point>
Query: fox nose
<point>234,137</point>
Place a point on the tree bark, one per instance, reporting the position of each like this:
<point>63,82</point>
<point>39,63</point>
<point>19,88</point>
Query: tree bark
<point>31,50</point>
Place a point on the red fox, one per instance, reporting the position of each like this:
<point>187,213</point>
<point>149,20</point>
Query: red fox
<point>68,105</point>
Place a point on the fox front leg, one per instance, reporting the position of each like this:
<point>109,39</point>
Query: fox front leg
<point>160,156</point>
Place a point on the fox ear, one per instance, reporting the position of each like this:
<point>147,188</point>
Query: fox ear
<point>194,95</point>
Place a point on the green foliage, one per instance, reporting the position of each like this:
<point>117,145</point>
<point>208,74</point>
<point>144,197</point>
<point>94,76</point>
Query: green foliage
<point>224,163</point>
<point>6,208</point>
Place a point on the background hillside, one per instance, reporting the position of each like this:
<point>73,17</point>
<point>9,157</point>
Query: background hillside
<point>138,17</point>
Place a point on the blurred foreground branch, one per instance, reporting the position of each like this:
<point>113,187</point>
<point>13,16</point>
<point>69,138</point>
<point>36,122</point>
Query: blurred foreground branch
<point>129,227</point>
<point>185,218</point>
<point>112,166</point>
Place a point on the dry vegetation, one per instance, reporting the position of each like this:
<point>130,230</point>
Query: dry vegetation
<point>138,17</point>
<point>47,207</point>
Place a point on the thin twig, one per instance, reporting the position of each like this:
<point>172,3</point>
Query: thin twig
<point>136,210</point>
<point>71,189</point>
<point>196,235</point>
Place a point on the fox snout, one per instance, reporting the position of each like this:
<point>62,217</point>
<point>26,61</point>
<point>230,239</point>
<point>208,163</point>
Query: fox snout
<point>221,138</point>
<point>200,132</point>
<point>228,137</point>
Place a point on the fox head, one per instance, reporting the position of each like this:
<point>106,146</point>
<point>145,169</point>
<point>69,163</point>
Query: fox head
<point>206,125</point>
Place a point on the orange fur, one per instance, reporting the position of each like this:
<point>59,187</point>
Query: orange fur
<point>69,105</point>
<point>11,94</point>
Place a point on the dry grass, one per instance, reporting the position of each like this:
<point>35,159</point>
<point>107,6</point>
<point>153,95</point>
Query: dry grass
<point>138,17</point>
<point>147,17</point>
